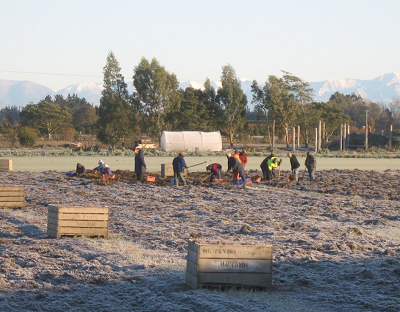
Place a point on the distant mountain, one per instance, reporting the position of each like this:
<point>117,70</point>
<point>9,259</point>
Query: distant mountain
<point>20,93</point>
<point>381,89</point>
<point>91,91</point>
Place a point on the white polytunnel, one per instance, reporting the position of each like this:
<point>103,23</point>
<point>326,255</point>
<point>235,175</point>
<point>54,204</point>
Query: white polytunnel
<point>191,141</point>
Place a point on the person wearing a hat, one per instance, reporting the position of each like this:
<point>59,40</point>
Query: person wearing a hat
<point>264,167</point>
<point>100,167</point>
<point>103,168</point>
<point>179,166</point>
<point>273,163</point>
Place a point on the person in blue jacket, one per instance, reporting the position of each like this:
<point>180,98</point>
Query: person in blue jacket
<point>179,166</point>
<point>100,167</point>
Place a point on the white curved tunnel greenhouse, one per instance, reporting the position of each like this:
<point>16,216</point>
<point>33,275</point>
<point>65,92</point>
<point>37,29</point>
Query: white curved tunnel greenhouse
<point>191,141</point>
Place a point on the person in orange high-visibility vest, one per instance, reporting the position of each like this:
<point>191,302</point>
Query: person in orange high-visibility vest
<point>237,156</point>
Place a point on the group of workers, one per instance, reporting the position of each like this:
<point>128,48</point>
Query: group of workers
<point>236,163</point>
<point>102,167</point>
<point>178,164</point>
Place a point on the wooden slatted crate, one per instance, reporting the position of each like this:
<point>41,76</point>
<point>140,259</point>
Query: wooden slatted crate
<point>12,196</point>
<point>6,165</point>
<point>167,170</point>
<point>77,221</point>
<point>229,265</point>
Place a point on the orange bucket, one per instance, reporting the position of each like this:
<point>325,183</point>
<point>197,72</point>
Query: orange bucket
<point>108,177</point>
<point>150,179</point>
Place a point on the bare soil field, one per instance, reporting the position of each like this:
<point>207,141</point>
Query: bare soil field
<point>68,163</point>
<point>336,243</point>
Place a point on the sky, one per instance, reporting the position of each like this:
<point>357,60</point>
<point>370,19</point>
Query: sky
<point>61,43</point>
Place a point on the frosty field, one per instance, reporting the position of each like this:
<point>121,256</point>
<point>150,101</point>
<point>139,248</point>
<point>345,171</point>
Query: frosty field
<point>336,242</point>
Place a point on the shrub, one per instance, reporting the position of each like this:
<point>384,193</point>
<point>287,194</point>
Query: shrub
<point>27,136</point>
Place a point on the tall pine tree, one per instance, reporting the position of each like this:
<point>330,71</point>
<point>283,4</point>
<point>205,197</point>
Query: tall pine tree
<point>117,119</point>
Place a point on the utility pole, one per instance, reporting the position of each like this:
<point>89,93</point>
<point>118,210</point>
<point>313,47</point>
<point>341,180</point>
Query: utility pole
<point>366,130</point>
<point>390,137</point>
<point>319,135</point>
<point>298,137</point>
<point>273,134</point>
<point>344,136</point>
<point>316,140</point>
<point>294,139</point>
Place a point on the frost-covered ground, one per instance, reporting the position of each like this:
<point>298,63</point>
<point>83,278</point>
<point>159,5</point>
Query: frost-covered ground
<point>336,244</point>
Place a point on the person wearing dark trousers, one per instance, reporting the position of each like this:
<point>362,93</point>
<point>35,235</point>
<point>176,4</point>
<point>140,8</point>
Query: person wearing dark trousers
<point>140,165</point>
<point>215,169</point>
<point>236,167</point>
<point>179,166</point>
<point>264,167</point>
<point>311,164</point>
<point>294,165</point>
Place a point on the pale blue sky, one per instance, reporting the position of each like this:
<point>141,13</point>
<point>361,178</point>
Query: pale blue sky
<point>314,39</point>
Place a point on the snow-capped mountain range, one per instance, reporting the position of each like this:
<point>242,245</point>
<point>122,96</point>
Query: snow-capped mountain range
<point>382,89</point>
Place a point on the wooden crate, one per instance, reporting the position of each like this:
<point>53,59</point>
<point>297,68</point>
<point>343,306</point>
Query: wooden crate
<point>6,165</point>
<point>12,196</point>
<point>229,265</point>
<point>167,170</point>
<point>77,221</point>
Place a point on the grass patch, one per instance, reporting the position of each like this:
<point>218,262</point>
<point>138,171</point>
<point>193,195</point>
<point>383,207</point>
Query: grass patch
<point>136,254</point>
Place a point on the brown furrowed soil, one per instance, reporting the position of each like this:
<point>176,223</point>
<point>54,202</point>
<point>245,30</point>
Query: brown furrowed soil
<point>336,243</point>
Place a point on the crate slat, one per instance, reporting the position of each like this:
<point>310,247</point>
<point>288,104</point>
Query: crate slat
<point>10,199</point>
<point>191,280</point>
<point>74,231</point>
<point>11,188</point>
<point>79,216</point>
<point>17,204</point>
<point>72,210</point>
<point>235,252</point>
<point>234,265</point>
<point>79,223</point>
<point>238,279</point>
<point>18,193</point>
<point>191,267</point>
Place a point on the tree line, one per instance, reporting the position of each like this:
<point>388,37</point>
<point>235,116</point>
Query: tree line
<point>157,104</point>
